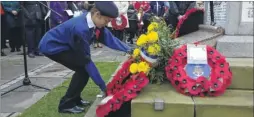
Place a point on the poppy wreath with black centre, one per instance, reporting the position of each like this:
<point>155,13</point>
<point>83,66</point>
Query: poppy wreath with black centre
<point>127,93</point>
<point>218,81</point>
<point>122,25</point>
<point>183,19</point>
<point>122,74</point>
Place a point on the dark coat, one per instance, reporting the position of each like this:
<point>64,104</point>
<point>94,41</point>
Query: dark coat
<point>180,7</point>
<point>161,9</point>
<point>12,20</point>
<point>34,12</point>
<point>59,7</point>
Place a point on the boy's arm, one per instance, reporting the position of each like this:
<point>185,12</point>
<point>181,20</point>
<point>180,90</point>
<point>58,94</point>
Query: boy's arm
<point>112,42</point>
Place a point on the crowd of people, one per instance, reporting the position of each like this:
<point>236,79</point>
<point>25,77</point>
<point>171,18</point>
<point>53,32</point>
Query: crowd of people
<point>39,17</point>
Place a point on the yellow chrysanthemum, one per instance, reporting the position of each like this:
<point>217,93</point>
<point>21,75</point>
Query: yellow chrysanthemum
<point>158,48</point>
<point>153,36</point>
<point>152,26</point>
<point>134,68</point>
<point>151,50</point>
<point>156,25</point>
<point>136,52</point>
<point>142,40</point>
<point>143,67</point>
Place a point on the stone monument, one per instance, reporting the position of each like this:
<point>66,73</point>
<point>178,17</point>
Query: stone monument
<point>237,20</point>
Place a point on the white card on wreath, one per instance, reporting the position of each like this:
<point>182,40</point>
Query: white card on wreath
<point>196,54</point>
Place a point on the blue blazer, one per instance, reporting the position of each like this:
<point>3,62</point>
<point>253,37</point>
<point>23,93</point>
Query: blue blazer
<point>160,10</point>
<point>62,38</point>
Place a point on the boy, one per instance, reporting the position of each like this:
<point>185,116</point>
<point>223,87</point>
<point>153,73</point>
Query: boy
<point>69,44</point>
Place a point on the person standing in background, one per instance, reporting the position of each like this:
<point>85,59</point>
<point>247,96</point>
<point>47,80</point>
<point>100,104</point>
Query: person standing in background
<point>122,9</point>
<point>34,14</point>
<point>59,7</point>
<point>13,22</point>
<point>133,23</point>
<point>157,8</point>
<point>3,30</point>
<point>177,10</point>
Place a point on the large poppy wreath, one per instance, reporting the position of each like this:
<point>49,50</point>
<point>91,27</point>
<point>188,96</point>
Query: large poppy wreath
<point>212,80</point>
<point>189,21</point>
<point>122,25</point>
<point>122,88</point>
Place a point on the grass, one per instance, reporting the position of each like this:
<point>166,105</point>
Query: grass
<point>47,106</point>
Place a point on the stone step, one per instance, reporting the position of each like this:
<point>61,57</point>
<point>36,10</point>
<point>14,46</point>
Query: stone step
<point>242,69</point>
<point>236,46</point>
<point>176,105</point>
<point>234,103</point>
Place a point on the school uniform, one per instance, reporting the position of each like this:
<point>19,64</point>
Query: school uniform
<point>69,44</point>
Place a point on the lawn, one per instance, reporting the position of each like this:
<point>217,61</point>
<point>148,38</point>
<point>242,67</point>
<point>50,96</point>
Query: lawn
<point>47,106</point>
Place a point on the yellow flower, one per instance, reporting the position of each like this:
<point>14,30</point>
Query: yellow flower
<point>156,25</point>
<point>158,48</point>
<point>134,68</point>
<point>151,50</point>
<point>152,26</point>
<point>153,36</point>
<point>136,52</point>
<point>142,40</point>
<point>143,67</point>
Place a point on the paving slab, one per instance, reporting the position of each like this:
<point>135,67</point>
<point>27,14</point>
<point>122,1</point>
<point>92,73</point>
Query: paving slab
<point>175,104</point>
<point>234,103</point>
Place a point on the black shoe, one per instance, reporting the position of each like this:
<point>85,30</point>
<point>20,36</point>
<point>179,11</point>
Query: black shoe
<point>12,50</point>
<point>18,49</point>
<point>83,103</point>
<point>73,110</point>
<point>31,55</point>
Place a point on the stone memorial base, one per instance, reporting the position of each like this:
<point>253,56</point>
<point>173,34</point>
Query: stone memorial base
<point>236,46</point>
<point>236,102</point>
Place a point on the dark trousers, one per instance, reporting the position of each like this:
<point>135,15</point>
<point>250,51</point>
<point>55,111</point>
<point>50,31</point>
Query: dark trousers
<point>3,32</point>
<point>172,20</point>
<point>118,34</point>
<point>16,39</point>
<point>33,37</point>
<point>75,62</point>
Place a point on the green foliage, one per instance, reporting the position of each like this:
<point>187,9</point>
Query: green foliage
<point>167,44</point>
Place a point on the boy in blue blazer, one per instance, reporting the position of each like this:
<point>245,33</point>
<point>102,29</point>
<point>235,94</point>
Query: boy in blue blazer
<point>69,44</point>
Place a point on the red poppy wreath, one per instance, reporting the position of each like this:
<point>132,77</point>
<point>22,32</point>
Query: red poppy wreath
<point>122,88</point>
<point>122,25</point>
<point>211,79</point>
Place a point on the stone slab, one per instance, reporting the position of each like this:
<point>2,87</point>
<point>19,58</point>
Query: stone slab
<point>234,103</point>
<point>55,71</point>
<point>236,46</point>
<point>19,101</point>
<point>175,104</point>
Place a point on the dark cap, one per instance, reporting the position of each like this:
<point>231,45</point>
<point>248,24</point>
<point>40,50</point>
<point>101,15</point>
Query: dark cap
<point>107,8</point>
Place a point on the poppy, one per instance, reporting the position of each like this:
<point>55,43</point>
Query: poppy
<point>216,85</point>
<point>203,82</point>
<point>193,89</point>
<point>130,94</point>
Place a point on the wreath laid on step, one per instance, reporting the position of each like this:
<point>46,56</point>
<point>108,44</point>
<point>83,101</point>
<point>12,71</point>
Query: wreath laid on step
<point>121,19</point>
<point>214,83</point>
<point>189,24</point>
<point>123,88</point>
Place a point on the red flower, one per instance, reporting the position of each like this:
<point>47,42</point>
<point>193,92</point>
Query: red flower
<point>203,82</point>
<point>130,94</point>
<point>193,89</point>
<point>216,85</point>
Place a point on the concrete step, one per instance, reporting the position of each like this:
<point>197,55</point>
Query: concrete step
<point>236,46</point>
<point>242,69</point>
<point>234,103</point>
<point>175,104</point>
